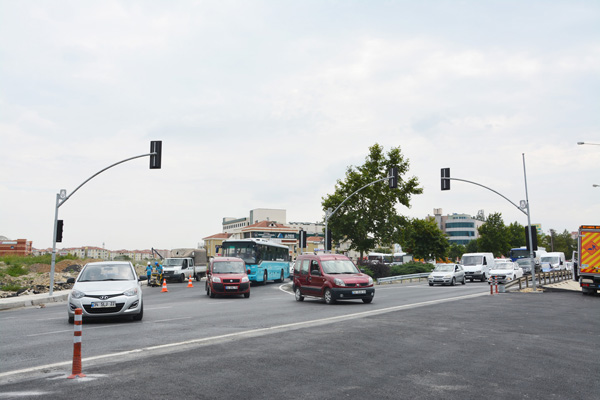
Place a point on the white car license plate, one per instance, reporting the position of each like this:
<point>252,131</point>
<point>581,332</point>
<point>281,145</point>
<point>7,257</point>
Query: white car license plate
<point>230,287</point>
<point>104,304</point>
<point>359,292</point>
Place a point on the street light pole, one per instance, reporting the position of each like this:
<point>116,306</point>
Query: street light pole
<point>329,213</point>
<point>62,197</point>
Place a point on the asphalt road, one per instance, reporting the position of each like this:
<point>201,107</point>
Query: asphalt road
<point>413,341</point>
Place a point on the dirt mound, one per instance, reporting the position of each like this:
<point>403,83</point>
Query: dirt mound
<point>64,265</point>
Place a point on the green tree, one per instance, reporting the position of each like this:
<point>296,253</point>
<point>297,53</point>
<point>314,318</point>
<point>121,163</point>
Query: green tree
<point>493,236</point>
<point>424,239</point>
<point>473,246</point>
<point>565,243</point>
<point>369,218</point>
<point>456,251</point>
<point>516,235</point>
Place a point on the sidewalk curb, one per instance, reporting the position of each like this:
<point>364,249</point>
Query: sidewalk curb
<point>32,300</point>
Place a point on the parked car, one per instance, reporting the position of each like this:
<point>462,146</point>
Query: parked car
<point>447,274</point>
<point>505,272</point>
<point>227,276</point>
<point>107,289</point>
<point>332,277</point>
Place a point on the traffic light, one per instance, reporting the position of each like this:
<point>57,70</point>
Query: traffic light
<point>302,239</point>
<point>533,238</point>
<point>393,177</point>
<point>59,230</point>
<point>445,179</point>
<point>328,240</point>
<point>155,147</point>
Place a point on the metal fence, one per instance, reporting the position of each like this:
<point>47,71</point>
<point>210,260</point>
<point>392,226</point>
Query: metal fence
<point>543,278</point>
<point>402,278</point>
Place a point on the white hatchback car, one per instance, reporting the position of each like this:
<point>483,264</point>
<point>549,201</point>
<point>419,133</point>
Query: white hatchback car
<point>505,272</point>
<point>106,289</point>
<point>447,274</point>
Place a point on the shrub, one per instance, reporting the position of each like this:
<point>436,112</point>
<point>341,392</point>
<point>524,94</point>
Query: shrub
<point>16,270</point>
<point>411,267</point>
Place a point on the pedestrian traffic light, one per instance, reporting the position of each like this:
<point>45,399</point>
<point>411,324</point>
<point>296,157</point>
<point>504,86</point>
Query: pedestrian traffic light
<point>533,238</point>
<point>156,153</point>
<point>445,178</point>
<point>393,177</point>
<point>59,230</point>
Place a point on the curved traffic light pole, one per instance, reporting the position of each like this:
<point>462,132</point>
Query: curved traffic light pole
<point>61,198</point>
<point>329,214</point>
<point>524,206</point>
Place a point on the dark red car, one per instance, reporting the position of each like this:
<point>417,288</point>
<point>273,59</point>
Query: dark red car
<point>227,276</point>
<point>332,277</point>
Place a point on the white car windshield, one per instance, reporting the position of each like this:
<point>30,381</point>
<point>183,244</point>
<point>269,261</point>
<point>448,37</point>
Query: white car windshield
<point>504,266</point>
<point>444,268</point>
<point>551,260</point>
<point>106,272</point>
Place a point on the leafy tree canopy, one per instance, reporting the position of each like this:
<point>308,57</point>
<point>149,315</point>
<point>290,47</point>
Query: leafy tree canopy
<point>424,239</point>
<point>369,218</point>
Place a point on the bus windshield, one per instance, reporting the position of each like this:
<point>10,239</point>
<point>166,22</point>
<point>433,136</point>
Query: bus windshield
<point>521,252</point>
<point>243,250</point>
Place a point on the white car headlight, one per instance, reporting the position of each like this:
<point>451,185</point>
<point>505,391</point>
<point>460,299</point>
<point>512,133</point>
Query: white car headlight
<point>76,294</point>
<point>216,279</point>
<point>448,276</point>
<point>339,282</point>
<point>131,292</point>
<point>245,279</point>
<point>370,281</point>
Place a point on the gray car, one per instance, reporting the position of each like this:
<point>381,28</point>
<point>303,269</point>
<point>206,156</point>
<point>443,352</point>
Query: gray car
<point>107,289</point>
<point>447,274</point>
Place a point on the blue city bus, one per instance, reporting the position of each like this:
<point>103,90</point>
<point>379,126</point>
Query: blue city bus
<point>518,252</point>
<point>266,260</point>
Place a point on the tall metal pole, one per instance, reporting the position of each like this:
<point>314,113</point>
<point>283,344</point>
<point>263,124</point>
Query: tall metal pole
<point>62,198</point>
<point>529,224</point>
<point>54,245</point>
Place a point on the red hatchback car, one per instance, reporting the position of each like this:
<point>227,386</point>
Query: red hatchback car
<point>227,276</point>
<point>332,277</point>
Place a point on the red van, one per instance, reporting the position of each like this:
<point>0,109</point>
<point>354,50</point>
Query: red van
<point>332,277</point>
<point>227,276</point>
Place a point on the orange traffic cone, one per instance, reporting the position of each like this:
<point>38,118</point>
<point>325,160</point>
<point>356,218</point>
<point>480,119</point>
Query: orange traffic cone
<point>190,282</point>
<point>164,288</point>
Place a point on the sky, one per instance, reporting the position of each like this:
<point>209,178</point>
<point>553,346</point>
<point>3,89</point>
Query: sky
<point>265,104</point>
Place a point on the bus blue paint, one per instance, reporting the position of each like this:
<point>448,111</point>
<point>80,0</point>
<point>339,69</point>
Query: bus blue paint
<point>518,252</point>
<point>261,256</point>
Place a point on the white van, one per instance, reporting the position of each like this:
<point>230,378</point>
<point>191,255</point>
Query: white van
<point>477,265</point>
<point>553,261</point>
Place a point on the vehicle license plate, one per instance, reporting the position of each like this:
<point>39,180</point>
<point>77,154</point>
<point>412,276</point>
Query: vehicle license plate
<point>104,304</point>
<point>359,292</point>
<point>230,287</point>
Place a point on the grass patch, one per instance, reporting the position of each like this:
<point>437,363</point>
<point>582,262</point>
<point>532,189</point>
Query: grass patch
<point>11,287</point>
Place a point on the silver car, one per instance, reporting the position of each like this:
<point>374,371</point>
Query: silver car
<point>447,274</point>
<point>107,289</point>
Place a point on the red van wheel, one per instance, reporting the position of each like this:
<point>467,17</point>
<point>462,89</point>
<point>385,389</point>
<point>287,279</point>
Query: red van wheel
<point>329,296</point>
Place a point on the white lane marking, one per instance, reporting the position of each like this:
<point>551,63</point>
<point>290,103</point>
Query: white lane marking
<point>171,319</point>
<point>248,333</point>
<point>157,308</point>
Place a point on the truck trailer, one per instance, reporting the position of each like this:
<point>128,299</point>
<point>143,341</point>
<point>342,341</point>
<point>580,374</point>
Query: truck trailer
<point>588,246</point>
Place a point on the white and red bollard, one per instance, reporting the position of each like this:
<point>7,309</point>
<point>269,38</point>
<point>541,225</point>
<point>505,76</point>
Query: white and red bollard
<point>76,370</point>
<point>493,282</point>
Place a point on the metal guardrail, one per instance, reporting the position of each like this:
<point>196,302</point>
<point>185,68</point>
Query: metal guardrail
<point>409,277</point>
<point>542,277</point>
